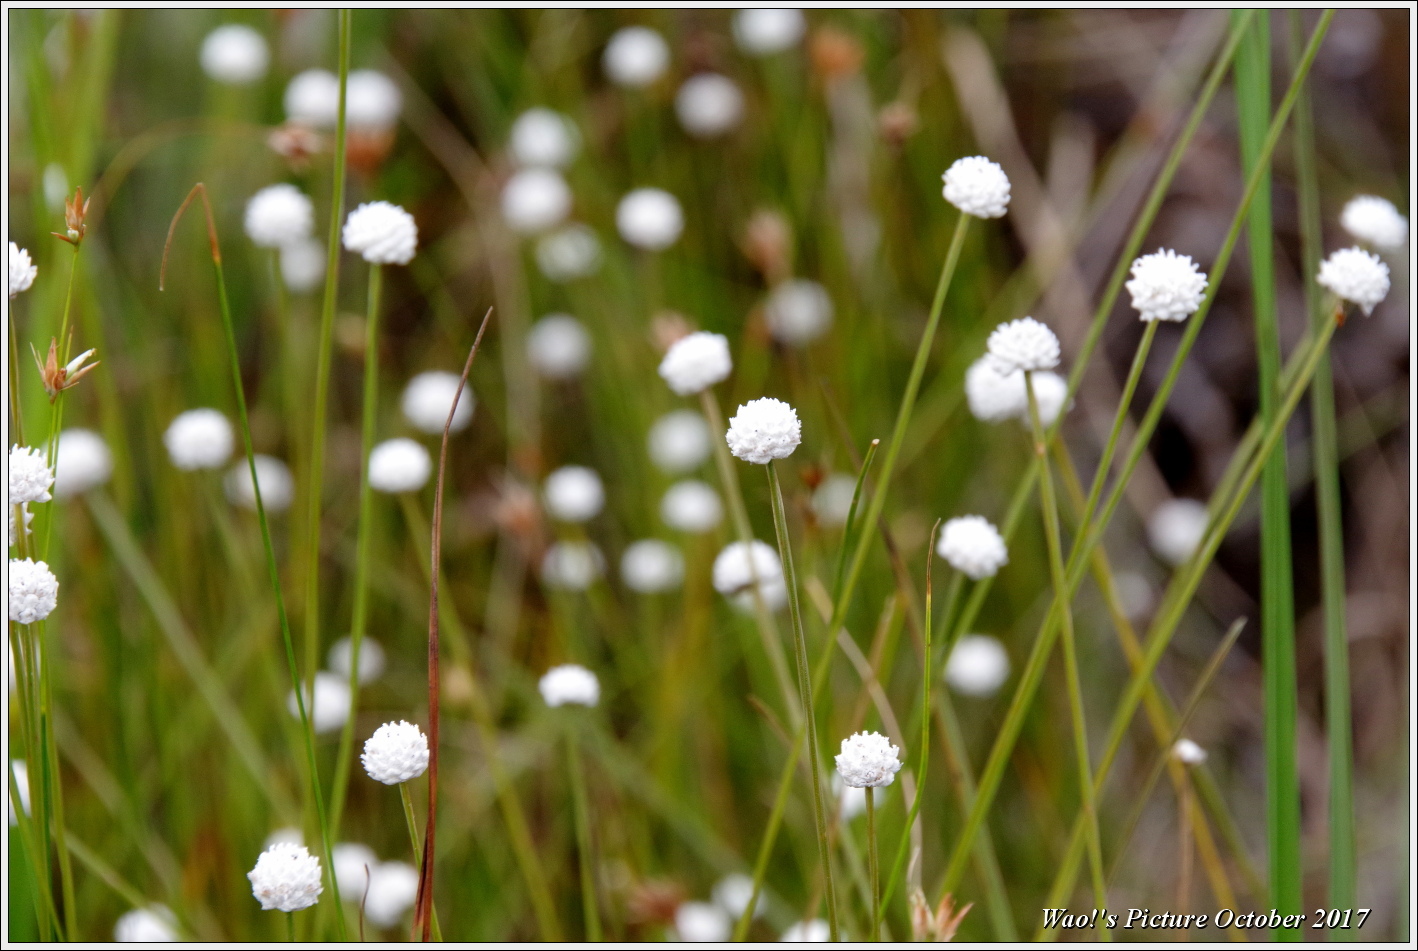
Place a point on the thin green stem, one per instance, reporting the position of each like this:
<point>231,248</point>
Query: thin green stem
<point>407,799</point>
<point>581,809</point>
<point>872,871</point>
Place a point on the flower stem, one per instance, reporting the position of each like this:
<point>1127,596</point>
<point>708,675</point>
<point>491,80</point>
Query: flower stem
<point>581,812</point>
<point>407,799</point>
<point>873,872</point>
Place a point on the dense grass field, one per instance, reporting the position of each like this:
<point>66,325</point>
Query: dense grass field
<point>1166,668</point>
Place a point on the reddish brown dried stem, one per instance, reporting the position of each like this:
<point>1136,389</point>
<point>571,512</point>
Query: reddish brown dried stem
<point>172,228</point>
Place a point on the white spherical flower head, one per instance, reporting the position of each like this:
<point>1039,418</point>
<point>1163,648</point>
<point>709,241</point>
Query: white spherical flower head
<point>235,54</point>
<point>570,683</point>
<point>832,500</point>
<point>679,442</point>
<point>1188,752</point>
<point>572,566</point>
<point>736,569</point>
<point>1023,344</point>
<point>977,187</point>
<point>22,270</point>
<point>700,921</point>
<point>709,105</point>
<point>154,924</point>
<point>371,658</point>
<point>372,101</point>
<point>279,215</point>
<point>651,565</point>
<point>199,439</point>
<point>354,865</point>
<point>569,253</point>
<point>649,218</point>
<point>1375,221</point>
<point>691,506</point>
<point>764,430</point>
<point>764,32</point>
<point>393,887</point>
<point>544,137</point>
<point>303,265</point>
<point>733,892</point>
<point>381,233</point>
<point>396,753</point>
<point>34,591</point>
<point>798,312</point>
<point>574,494</point>
<point>313,98</point>
<point>696,362</point>
<point>816,931</point>
<point>399,465</point>
<point>1356,276</point>
<point>558,347</point>
<point>1050,393</point>
<point>22,780</point>
<point>429,396</point>
<point>868,759</point>
<point>535,200</point>
<point>994,396</point>
<point>978,666</point>
<point>1176,528</point>
<point>286,878</point>
<point>635,56</point>
<point>30,476</point>
<point>82,462</point>
<point>274,477</point>
<point>972,546</point>
<point>1166,286</point>
<point>332,702</point>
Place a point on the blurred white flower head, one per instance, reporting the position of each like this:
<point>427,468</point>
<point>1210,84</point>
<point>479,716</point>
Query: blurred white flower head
<point>978,666</point>
<point>558,347</point>
<point>22,270</point>
<point>649,218</point>
<point>351,859</point>
<point>1175,529</point>
<point>1188,752</point>
<point>55,183</point>
<point>332,702</point>
<point>535,200</point>
<point>381,233</point>
<point>679,442</point>
<point>691,506</point>
<point>572,565</point>
<point>30,476</point>
<point>399,465</point>
<point>273,475</point>
<point>303,265</point>
<point>700,921</point>
<point>574,494</point>
<point>1023,344</point>
<point>279,215</point>
<point>1136,594</point>
<point>396,753</point>
<point>1375,221</point>
<point>734,891</point>
<point>709,105</point>
<point>1050,393</point>
<point>34,591</point>
<point>972,546</point>
<point>429,396</point>
<point>816,931</point>
<point>761,32</point>
<point>22,781</point>
<point>568,253</point>
<point>851,800</point>
<point>763,430</point>
<point>372,101</point>
<point>82,462</point>
<point>393,886</point>
<point>635,56</point>
<point>313,98</point>
<point>371,658</point>
<point>199,439</point>
<point>994,396</point>
<point>235,54</point>
<point>696,362</point>
<point>650,565</point>
<point>977,187</point>
<point>736,569</point>
<point>286,878</point>
<point>569,683</point>
<point>798,312</point>
<point>832,500</point>
<point>544,137</point>
<point>1166,286</point>
<point>868,759</point>
<point>1356,276</point>
<point>154,924</point>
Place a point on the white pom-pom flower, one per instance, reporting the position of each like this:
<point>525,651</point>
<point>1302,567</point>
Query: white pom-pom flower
<point>429,396</point>
<point>798,312</point>
<point>399,465</point>
<point>286,878</point>
<point>279,215</point>
<point>1050,394</point>
<point>868,759</point>
<point>22,270</point>
<point>832,500</point>
<point>977,187</point>
<point>709,105</point>
<point>1175,529</point>
<point>572,565</point>
<point>635,56</point>
<point>332,702</point>
<point>303,265</point>
<point>30,476</point>
<point>761,32</point>
<point>396,753</point>
<point>679,442</point>
<point>696,362</point>
<point>978,666</point>
<point>763,430</point>
<point>82,462</point>
<point>691,506</point>
<point>1188,752</point>
<point>1166,286</point>
<point>544,137</point>
<point>354,865</point>
<point>1356,276</point>
<point>34,591</point>
<point>199,439</point>
<point>651,565</point>
<point>972,546</point>
<point>313,98</point>
<point>649,218</point>
<point>1375,221</point>
<point>371,658</point>
<point>154,924</point>
<point>372,101</point>
<point>568,253</point>
<point>574,494</point>
<point>569,683</point>
<point>558,347</point>
<point>393,887</point>
<point>816,931</point>
<point>381,233</point>
<point>1023,344</point>
<point>994,396</point>
<point>699,921</point>
<point>235,54</point>
<point>535,200</point>
<point>274,477</point>
<point>737,568</point>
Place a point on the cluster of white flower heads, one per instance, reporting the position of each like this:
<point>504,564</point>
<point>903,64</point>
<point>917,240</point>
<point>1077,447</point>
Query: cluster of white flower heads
<point>286,878</point>
<point>978,665</point>
<point>572,565</point>
<point>1375,221</point>
<point>650,565</point>
<point>696,362</point>
<point>235,54</point>
<point>679,442</point>
<point>279,215</point>
<point>22,270</point>
<point>574,494</point>
<point>34,591</point>
<point>1175,529</point>
<point>635,56</point>
<point>709,105</point>
<point>760,32</point>
<point>763,430</point>
<point>429,396</point>
<point>1166,286</point>
<point>535,200</point>
<point>691,506</point>
<point>649,218</point>
<point>868,759</point>
<point>381,233</point>
<point>274,477</point>
<point>700,921</point>
<point>1023,344</point>
<point>154,924</point>
<point>399,465</point>
<point>199,439</point>
<point>977,187</point>
<point>568,253</point>
<point>798,312</point>
<point>740,565</point>
<point>569,683</point>
<point>558,347</point>
<point>396,753</point>
<point>1356,276</point>
<point>332,702</point>
<point>994,396</point>
<point>543,137</point>
<point>371,658</point>
<point>30,476</point>
<point>972,546</point>
<point>81,462</point>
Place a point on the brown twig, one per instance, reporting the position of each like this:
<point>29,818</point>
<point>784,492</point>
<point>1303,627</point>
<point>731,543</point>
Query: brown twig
<point>423,903</point>
<point>172,228</point>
